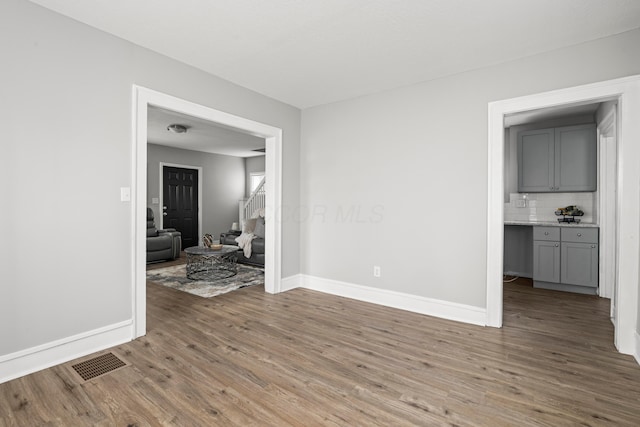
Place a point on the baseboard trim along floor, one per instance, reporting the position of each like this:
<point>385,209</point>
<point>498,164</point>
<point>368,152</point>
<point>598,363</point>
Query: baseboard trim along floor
<point>414,303</point>
<point>24,362</point>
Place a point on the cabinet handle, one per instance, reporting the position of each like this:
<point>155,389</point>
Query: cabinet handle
<point>550,188</point>
<point>579,234</point>
<point>556,245</point>
<point>593,246</point>
<point>546,233</point>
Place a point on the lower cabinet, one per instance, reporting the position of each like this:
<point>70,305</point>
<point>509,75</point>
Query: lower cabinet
<point>579,264</point>
<point>566,259</point>
<point>546,261</point>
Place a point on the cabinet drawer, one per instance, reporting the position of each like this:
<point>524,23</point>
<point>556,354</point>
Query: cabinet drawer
<point>546,233</point>
<point>580,235</point>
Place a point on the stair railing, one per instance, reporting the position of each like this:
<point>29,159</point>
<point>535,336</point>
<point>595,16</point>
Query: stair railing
<point>255,201</point>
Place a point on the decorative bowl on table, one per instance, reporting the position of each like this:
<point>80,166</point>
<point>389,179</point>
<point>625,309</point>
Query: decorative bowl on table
<point>569,211</point>
<point>208,242</point>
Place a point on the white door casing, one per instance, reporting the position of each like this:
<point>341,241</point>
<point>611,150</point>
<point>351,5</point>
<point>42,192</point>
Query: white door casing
<point>608,153</point>
<point>142,99</point>
<point>627,92</point>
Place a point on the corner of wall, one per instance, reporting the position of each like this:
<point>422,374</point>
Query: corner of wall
<point>291,282</point>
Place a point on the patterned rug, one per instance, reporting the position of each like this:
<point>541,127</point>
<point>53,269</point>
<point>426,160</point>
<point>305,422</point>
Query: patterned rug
<point>176,277</point>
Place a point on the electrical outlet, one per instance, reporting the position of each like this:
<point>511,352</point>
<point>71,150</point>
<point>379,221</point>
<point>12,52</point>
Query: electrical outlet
<point>376,271</point>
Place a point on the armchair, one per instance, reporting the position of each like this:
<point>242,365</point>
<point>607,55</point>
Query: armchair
<point>162,244</point>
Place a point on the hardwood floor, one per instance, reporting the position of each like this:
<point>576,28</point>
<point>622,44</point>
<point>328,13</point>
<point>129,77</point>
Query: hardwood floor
<point>304,358</point>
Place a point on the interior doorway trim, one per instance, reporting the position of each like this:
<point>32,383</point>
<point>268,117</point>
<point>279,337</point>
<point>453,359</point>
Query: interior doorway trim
<point>627,91</point>
<point>607,168</point>
<point>161,166</point>
<point>142,99</point>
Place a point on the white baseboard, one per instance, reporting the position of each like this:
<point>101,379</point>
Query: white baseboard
<point>417,304</point>
<point>637,352</point>
<point>291,282</point>
<point>24,362</point>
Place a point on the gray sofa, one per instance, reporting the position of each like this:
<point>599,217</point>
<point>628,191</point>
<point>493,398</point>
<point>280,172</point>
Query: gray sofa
<point>257,244</point>
<point>162,245</point>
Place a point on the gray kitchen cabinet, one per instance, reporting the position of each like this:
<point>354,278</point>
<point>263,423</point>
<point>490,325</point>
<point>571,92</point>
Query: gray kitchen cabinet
<point>566,259</point>
<point>536,160</point>
<point>546,261</point>
<point>557,159</point>
<point>579,254</point>
<point>546,254</point>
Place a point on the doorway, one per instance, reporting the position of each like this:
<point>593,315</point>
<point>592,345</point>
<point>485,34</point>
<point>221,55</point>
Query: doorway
<point>143,99</point>
<point>180,202</point>
<point>627,92</point>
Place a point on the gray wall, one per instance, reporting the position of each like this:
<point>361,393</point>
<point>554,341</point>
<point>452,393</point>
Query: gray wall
<point>222,184</point>
<point>252,164</point>
<point>418,154</point>
<point>67,117</point>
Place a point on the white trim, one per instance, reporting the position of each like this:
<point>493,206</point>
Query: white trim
<point>637,352</point>
<point>291,282</point>
<point>273,212</point>
<point>142,98</point>
<point>416,304</point>
<point>161,166</point>
<point>44,356</point>
<point>627,91</point>
<point>607,163</point>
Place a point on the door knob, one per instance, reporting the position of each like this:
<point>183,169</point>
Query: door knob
<point>164,214</point>
<point>164,208</point>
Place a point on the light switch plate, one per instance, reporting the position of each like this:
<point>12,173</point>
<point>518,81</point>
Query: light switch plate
<point>125,194</point>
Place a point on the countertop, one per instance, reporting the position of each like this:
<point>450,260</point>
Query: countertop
<point>553,224</point>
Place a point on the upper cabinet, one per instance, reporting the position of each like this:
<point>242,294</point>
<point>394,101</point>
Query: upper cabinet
<point>560,159</point>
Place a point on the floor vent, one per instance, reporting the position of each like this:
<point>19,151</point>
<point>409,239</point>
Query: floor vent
<point>98,366</point>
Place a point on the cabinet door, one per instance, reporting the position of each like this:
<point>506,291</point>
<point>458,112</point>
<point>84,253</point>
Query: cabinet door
<point>575,158</point>
<point>536,161</point>
<point>546,261</point>
<point>580,264</point>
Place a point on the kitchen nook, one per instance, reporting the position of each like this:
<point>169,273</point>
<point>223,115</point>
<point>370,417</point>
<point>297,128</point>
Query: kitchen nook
<point>552,199</point>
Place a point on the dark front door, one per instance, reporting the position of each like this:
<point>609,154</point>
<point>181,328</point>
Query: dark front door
<point>180,198</point>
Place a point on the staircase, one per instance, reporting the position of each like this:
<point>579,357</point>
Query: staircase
<point>247,207</point>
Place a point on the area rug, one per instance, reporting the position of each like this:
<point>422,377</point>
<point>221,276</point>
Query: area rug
<point>175,277</point>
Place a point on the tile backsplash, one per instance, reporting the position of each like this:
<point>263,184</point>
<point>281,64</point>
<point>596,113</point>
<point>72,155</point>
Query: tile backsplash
<point>541,206</point>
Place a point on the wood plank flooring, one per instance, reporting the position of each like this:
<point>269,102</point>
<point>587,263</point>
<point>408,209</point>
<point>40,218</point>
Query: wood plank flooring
<point>304,358</point>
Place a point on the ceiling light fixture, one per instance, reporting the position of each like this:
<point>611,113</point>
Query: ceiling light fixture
<point>175,128</point>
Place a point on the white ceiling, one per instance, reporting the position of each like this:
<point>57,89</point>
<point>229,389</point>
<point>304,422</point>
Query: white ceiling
<point>312,52</point>
<point>201,135</point>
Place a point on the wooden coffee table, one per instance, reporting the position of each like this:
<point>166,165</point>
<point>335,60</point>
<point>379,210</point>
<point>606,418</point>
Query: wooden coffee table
<point>209,264</point>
